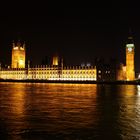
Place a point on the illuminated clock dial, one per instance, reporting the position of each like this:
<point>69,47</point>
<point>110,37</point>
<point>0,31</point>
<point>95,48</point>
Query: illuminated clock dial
<point>129,49</point>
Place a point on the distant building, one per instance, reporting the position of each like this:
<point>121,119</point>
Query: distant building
<point>18,55</point>
<point>106,71</point>
<point>102,71</point>
<point>44,72</point>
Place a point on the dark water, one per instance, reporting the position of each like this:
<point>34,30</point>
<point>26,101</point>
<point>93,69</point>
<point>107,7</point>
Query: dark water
<point>69,111</point>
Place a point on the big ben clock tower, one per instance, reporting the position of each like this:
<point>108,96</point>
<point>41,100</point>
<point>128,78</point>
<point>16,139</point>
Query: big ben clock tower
<point>130,66</point>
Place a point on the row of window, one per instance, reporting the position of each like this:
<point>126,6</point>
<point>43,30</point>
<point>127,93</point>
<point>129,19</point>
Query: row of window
<point>67,72</point>
<point>12,72</point>
<point>59,77</point>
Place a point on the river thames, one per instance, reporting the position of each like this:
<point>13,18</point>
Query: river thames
<point>43,111</point>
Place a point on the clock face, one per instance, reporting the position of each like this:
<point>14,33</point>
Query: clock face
<point>130,49</point>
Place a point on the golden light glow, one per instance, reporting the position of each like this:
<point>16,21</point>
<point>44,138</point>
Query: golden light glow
<point>48,73</point>
<point>18,56</point>
<point>21,48</point>
<point>21,63</point>
<point>15,48</point>
<point>138,89</point>
<point>77,73</point>
<point>130,71</point>
<point>55,61</point>
<point>121,75</point>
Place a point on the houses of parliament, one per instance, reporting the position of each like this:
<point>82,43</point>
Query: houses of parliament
<point>57,71</point>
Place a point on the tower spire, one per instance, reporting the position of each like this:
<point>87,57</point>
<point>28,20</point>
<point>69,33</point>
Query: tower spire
<point>130,37</point>
<point>130,31</point>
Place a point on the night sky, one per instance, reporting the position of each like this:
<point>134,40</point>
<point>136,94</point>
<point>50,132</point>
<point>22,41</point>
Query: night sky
<point>77,32</point>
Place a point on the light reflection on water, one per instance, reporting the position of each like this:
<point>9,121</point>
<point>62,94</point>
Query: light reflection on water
<point>69,111</point>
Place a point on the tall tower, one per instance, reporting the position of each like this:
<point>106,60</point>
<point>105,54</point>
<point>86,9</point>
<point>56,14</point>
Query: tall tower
<point>18,55</point>
<point>130,66</point>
